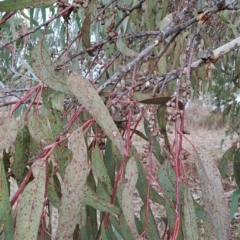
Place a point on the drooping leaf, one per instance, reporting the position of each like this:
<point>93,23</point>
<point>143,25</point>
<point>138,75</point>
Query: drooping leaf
<point>190,224</point>
<point>8,132</point>
<point>31,204</point>
<point>126,231</point>
<point>223,162</point>
<point>87,95</point>
<point>156,144</point>
<point>162,123</point>
<point>124,49</point>
<point>21,154</point>
<point>127,204</point>
<point>167,180</point>
<point>142,182</point>
<point>53,193</point>
<point>110,161</point>
<point>72,189</point>
<point>108,233</point>
<point>45,71</point>
<point>38,126</point>
<point>6,220</point>
<point>63,157</point>
<point>170,211</point>
<point>21,4</point>
<point>234,202</point>
<point>213,195</point>
<point>86,35</point>
<point>97,201</point>
<point>152,229</point>
<point>236,166</point>
<point>100,168</point>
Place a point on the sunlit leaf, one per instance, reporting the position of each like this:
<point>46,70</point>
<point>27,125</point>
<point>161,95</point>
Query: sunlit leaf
<point>31,204</point>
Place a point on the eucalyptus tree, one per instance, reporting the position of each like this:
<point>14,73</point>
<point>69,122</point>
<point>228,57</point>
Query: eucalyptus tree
<point>77,78</point>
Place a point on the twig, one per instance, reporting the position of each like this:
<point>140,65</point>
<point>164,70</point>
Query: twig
<point>59,14</point>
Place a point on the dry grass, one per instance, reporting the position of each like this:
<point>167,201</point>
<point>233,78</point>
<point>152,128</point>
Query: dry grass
<point>204,117</point>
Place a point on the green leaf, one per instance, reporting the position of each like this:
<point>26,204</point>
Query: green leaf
<point>86,35</point>
<point>56,121</point>
<point>21,154</point>
<point>223,162</point>
<point>167,180</point>
<point>45,71</point>
<point>11,5</point>
<point>170,211</point>
<point>100,168</point>
<point>31,204</point>
<point>38,126</point>
<point>139,96</point>
<point>53,193</point>
<point>190,224</point>
<point>142,182</point>
<point>236,166</point>
<point>152,229</point>
<point>108,233</point>
<point>126,231</point>
<point>87,95</point>
<point>234,202</point>
<point>213,195</point>
<point>160,101</point>
<point>110,161</point>
<point>97,201</point>
<point>129,187</point>
<point>5,206</point>
<point>8,132</point>
<point>72,189</point>
<point>156,144</point>
<point>125,50</point>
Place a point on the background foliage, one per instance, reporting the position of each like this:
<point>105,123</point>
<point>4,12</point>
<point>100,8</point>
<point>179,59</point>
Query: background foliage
<point>77,79</point>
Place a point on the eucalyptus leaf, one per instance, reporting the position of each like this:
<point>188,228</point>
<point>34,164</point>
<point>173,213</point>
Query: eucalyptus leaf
<point>87,95</point>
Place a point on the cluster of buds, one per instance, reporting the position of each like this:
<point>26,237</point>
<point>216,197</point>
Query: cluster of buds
<point>154,130</point>
<point>186,88</point>
<point>121,85</point>
<point>82,3</point>
<point>172,113</point>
